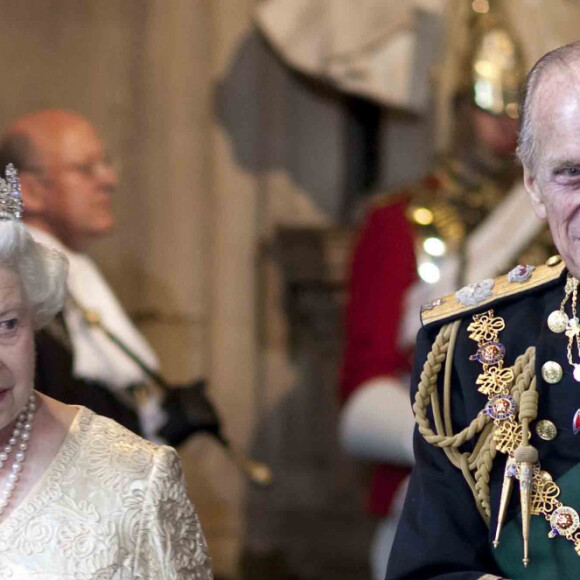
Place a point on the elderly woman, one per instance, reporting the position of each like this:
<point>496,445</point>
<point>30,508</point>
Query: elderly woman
<point>80,496</point>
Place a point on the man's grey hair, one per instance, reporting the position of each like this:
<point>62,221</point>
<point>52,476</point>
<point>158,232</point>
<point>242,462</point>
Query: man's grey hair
<point>564,56</point>
<point>42,270</point>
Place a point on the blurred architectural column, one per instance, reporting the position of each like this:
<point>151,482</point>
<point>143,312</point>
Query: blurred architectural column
<point>232,270</point>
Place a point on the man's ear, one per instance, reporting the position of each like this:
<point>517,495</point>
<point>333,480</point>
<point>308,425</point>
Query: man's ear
<point>531,185</point>
<point>34,192</point>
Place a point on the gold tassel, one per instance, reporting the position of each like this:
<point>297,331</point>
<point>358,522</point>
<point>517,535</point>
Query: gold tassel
<point>506,493</point>
<point>526,457</point>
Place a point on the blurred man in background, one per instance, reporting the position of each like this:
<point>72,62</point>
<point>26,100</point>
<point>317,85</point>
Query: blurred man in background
<point>426,241</point>
<point>67,183</point>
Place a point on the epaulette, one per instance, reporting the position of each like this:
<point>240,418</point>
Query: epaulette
<point>474,296</point>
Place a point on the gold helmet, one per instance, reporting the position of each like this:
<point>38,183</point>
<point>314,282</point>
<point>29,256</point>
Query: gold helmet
<point>496,68</point>
<point>482,60</point>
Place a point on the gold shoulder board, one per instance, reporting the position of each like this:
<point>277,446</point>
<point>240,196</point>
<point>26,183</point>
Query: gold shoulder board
<point>484,293</point>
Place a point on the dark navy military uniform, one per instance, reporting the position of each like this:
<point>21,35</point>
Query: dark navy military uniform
<point>441,535</point>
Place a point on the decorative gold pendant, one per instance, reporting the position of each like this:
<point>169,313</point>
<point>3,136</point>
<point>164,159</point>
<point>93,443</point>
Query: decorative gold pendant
<point>546,492</point>
<point>485,327</point>
<point>538,493</point>
<point>508,436</point>
<point>495,381</point>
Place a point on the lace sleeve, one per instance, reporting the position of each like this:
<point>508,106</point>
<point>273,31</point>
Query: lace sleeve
<point>171,543</point>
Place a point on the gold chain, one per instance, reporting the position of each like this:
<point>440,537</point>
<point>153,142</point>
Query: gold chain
<point>572,324</point>
<point>495,382</point>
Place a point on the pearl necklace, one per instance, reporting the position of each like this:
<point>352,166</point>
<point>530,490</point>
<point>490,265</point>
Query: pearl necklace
<point>18,439</point>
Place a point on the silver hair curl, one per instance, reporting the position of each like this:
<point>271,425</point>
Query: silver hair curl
<point>42,270</point>
<point>565,56</point>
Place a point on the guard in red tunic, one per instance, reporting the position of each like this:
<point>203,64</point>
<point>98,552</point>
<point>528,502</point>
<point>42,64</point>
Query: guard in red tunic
<point>434,236</point>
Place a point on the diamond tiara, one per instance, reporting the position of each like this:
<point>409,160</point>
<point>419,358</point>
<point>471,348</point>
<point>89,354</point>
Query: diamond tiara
<point>11,205</point>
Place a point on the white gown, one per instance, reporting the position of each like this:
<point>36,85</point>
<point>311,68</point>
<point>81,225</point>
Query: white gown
<point>111,506</point>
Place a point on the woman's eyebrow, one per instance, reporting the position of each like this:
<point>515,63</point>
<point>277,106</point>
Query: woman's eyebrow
<point>10,308</point>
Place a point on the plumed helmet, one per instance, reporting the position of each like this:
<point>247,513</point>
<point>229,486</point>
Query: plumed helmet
<point>495,63</point>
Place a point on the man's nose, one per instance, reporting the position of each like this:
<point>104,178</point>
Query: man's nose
<point>108,175</point>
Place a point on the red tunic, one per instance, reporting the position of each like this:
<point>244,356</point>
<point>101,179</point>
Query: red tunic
<point>383,269</point>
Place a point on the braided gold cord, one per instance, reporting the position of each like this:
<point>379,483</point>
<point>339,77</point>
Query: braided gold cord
<point>427,392</point>
<point>483,464</point>
<point>428,381</point>
<point>464,466</point>
<point>524,372</point>
<point>480,460</point>
<point>529,403</point>
<point>481,442</point>
<point>447,380</point>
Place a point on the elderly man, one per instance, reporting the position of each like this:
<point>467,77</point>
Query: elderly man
<point>495,492</point>
<point>67,182</point>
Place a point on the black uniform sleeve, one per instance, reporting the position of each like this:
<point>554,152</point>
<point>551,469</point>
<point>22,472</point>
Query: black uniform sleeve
<point>441,535</point>
<point>54,377</point>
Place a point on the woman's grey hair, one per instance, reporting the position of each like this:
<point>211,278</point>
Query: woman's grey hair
<point>42,270</point>
<point>564,56</point>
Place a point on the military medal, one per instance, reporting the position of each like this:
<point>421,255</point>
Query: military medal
<point>576,422</point>
<point>564,522</point>
<point>500,407</point>
<point>489,353</point>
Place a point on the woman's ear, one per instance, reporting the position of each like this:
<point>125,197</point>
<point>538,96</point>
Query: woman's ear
<point>531,185</point>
